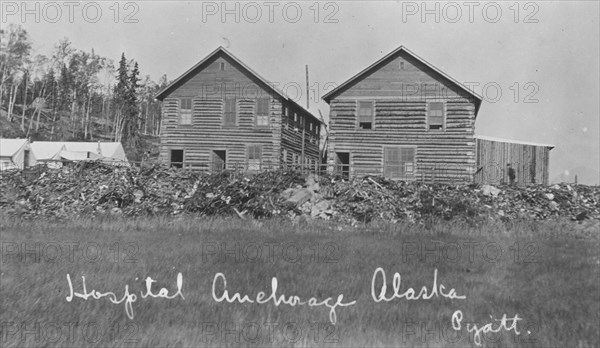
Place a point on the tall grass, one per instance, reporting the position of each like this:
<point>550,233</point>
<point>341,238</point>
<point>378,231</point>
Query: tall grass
<point>544,272</point>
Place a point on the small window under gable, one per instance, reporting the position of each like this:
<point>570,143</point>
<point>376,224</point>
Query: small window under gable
<point>222,66</point>
<point>365,114</point>
<point>435,115</point>
<point>262,112</point>
<point>185,111</point>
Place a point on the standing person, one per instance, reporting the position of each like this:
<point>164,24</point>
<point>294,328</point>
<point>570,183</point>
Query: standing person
<point>511,174</point>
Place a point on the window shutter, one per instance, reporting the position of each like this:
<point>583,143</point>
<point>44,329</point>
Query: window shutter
<point>229,117</point>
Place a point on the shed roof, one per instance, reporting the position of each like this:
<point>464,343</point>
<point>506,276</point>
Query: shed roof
<point>327,97</point>
<point>502,140</point>
<point>162,94</point>
<point>9,147</point>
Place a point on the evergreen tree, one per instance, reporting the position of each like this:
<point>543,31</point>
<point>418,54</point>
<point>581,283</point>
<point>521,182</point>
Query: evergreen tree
<point>121,92</point>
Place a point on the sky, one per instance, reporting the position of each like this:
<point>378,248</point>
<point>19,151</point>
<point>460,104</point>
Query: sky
<point>535,63</point>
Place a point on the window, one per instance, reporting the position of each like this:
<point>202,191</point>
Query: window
<point>262,112</point>
<point>222,66</point>
<point>365,115</point>
<point>435,115</point>
<point>229,117</point>
<point>310,126</point>
<point>185,111</point>
<point>254,157</point>
<point>399,163</point>
<point>401,65</point>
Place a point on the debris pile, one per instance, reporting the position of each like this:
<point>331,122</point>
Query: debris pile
<point>91,188</point>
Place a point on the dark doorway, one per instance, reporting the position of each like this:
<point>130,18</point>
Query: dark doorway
<point>219,160</point>
<point>177,158</point>
<point>342,164</point>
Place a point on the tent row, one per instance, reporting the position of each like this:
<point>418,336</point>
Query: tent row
<point>20,153</point>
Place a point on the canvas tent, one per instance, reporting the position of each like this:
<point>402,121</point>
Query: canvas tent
<point>53,151</point>
<point>47,150</point>
<point>15,154</point>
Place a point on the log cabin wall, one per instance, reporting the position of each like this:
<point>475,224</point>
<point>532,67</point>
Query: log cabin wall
<point>531,162</point>
<point>295,121</point>
<point>401,89</point>
<point>208,90</point>
<point>221,79</point>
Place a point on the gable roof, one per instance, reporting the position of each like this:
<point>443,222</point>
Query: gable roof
<point>327,97</point>
<point>9,147</point>
<point>46,150</point>
<point>501,140</point>
<point>163,93</point>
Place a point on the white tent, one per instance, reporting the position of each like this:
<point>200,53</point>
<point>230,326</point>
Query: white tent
<point>47,150</point>
<point>78,151</point>
<point>15,153</point>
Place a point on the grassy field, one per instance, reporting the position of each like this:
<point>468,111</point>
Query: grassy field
<point>542,272</point>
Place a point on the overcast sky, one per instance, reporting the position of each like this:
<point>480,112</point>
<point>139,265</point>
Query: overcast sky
<point>539,61</point>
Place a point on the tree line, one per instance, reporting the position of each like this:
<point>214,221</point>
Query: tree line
<point>74,94</point>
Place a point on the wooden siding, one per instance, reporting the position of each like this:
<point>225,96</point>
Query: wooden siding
<point>401,89</point>
<point>208,89</point>
<point>207,133</point>
<point>441,155</point>
<point>291,136</point>
<point>409,80</point>
<point>531,162</point>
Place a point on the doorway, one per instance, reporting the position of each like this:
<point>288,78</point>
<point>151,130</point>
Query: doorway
<point>342,164</point>
<point>177,158</point>
<point>219,160</point>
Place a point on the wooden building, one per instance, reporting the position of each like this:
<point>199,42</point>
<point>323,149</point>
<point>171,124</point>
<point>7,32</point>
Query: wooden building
<point>222,115</point>
<point>404,119</point>
<point>530,161</point>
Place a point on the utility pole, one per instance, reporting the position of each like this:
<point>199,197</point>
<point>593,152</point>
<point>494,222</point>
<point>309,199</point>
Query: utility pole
<point>303,121</point>
<point>307,91</point>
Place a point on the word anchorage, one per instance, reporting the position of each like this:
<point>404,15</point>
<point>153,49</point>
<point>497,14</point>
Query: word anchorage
<point>128,298</point>
<point>277,300</point>
<point>409,294</point>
